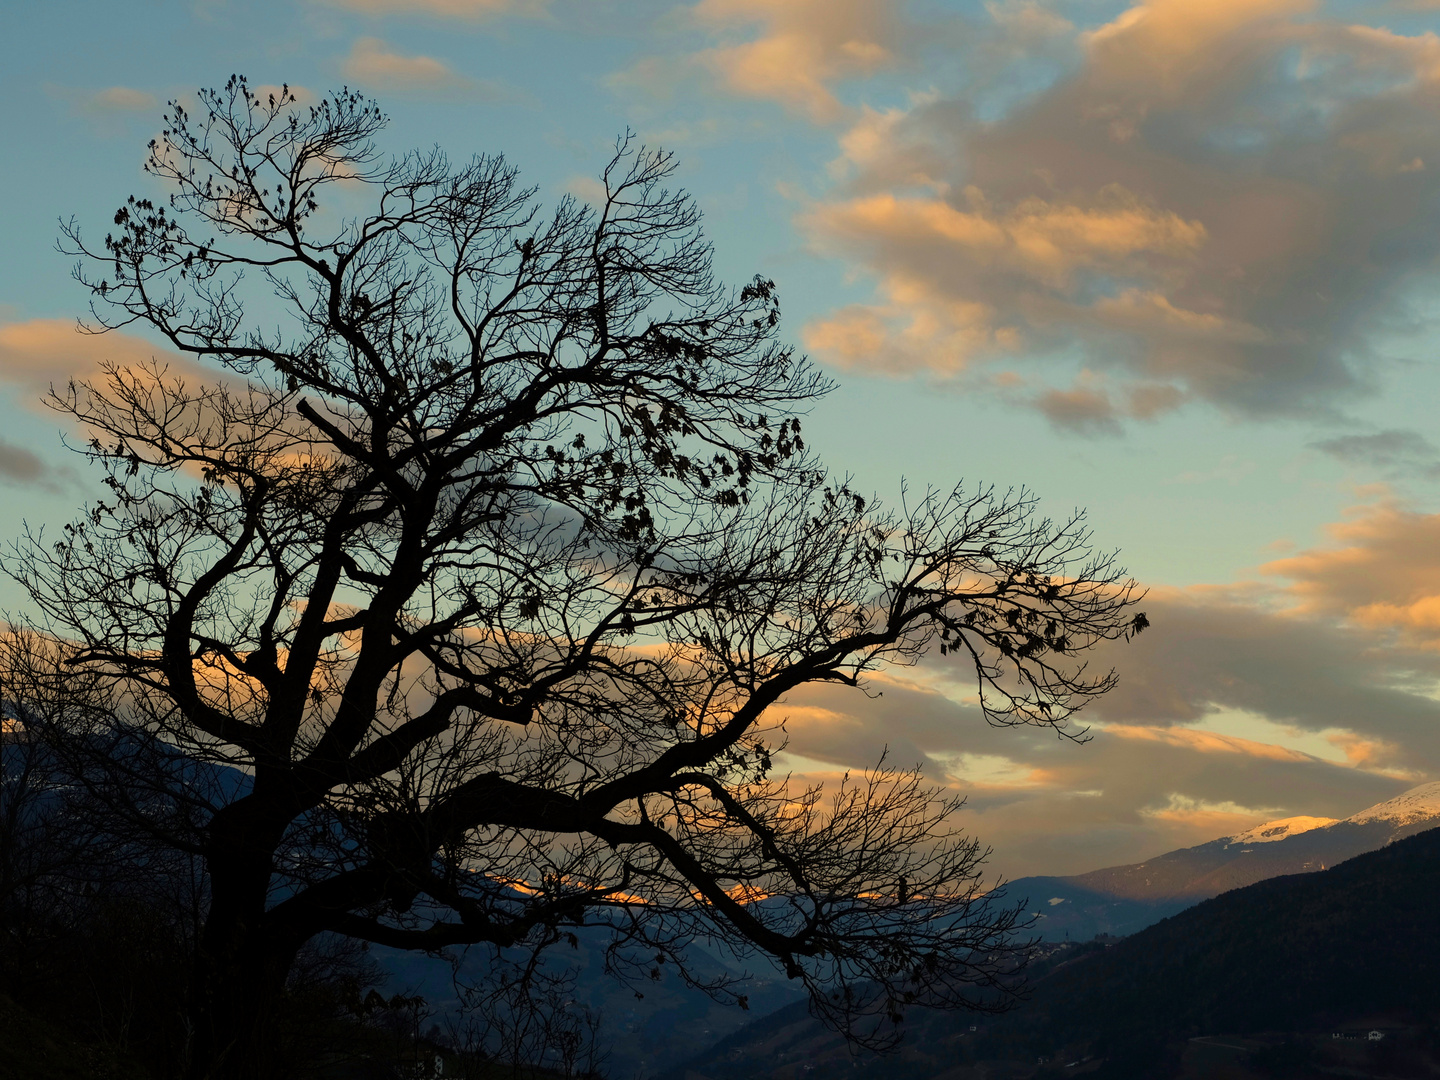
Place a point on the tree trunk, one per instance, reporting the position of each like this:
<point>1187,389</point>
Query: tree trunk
<point>233,1011</point>
<point>241,964</point>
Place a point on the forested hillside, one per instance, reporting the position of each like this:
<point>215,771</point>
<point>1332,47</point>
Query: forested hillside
<point>1303,954</point>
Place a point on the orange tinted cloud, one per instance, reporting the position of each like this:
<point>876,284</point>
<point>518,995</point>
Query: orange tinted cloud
<point>1045,241</point>
<point>109,101</point>
<point>1205,742</point>
<point>1382,573</point>
<point>1169,49</point>
<point>1146,784</point>
<point>1377,755</point>
<point>926,247</point>
<point>803,48</point>
<point>1196,820</point>
<point>1209,206</point>
<point>42,352</point>
<point>373,63</point>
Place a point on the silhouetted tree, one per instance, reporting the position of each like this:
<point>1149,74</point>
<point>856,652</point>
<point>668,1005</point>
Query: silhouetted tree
<point>451,601</point>
<point>522,1015</point>
<point>97,923</point>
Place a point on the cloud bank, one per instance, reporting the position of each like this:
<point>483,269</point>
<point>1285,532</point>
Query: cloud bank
<point>1311,690</point>
<point>1223,201</point>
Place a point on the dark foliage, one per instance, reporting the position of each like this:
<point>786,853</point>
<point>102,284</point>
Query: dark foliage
<point>98,928</point>
<point>1291,1058</point>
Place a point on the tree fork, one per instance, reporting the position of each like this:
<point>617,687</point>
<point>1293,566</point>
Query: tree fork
<point>494,573</point>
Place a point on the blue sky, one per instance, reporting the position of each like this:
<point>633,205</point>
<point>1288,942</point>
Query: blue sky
<point>1173,262</point>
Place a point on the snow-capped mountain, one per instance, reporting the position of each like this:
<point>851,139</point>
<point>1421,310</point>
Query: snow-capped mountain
<point>1280,829</point>
<point>1123,899</point>
<point>1419,804</point>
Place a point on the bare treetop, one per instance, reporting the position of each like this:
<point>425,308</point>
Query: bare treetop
<point>491,550</point>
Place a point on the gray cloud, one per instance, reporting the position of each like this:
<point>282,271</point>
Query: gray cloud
<point>1226,202</point>
<point>1117,800</point>
<point>1081,410</point>
<point>1397,453</point>
<point>1291,669</point>
<point>19,465</point>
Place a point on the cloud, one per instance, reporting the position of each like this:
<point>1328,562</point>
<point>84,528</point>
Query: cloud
<point>1395,452</point>
<point>949,273</point>
<point>1223,201</point>
<point>105,109</point>
<point>1308,693</point>
<point>802,50</point>
<point>804,47</point>
<point>19,465</point>
<point>115,99</point>
<point>453,9</point>
<point>372,63</point>
<point>1084,409</point>
<point>1256,651</point>
<point>1381,575</point>
<point>1041,241</point>
<point>23,468</point>
<point>1207,819</point>
<point>586,188</point>
<point>1204,742</point>
<point>39,353</point>
<point>1051,806</point>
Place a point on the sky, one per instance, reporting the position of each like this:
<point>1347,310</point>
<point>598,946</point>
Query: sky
<point>1174,263</point>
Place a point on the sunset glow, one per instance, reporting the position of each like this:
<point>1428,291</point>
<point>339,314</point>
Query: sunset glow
<point>1173,262</point>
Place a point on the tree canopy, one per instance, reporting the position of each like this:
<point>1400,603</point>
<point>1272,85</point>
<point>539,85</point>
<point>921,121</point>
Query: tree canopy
<point>483,541</point>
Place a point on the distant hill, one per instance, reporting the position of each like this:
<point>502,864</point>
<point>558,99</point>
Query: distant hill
<point>1355,946</point>
<point>646,1029</point>
<point>1308,950</point>
<point>652,1034</point>
<point>1121,900</point>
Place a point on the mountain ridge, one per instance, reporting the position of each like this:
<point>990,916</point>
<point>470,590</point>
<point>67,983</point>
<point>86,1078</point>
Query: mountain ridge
<point>1293,959</point>
<point>1121,900</point>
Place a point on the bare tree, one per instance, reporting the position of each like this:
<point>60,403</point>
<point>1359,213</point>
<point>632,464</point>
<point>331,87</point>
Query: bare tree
<point>521,1015</point>
<point>97,920</point>
<point>483,553</point>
